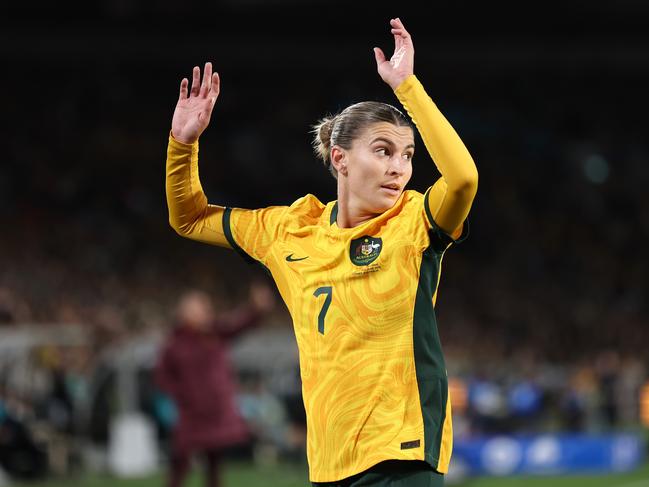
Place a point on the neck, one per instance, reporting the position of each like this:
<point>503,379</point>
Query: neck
<point>350,213</point>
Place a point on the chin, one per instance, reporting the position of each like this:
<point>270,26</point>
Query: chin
<point>383,204</point>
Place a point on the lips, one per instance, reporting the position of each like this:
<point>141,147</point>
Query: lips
<point>391,188</point>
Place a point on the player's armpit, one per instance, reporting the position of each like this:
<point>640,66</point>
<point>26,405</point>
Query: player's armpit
<point>189,213</point>
<point>447,209</point>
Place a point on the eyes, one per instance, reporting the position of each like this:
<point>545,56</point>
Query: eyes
<point>385,151</point>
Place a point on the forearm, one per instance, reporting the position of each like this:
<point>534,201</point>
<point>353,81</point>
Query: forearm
<point>455,164</point>
<point>444,145</point>
<point>190,215</point>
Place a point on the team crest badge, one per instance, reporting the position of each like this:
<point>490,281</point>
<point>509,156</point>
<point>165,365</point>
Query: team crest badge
<point>365,250</point>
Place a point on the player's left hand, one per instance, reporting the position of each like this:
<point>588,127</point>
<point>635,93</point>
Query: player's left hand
<point>401,64</point>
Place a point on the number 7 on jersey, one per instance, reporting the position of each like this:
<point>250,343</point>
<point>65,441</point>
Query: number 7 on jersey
<point>325,307</point>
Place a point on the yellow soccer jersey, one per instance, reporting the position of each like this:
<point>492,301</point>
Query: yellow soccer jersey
<point>374,381</point>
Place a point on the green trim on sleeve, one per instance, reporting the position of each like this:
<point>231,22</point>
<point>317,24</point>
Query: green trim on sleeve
<point>227,230</point>
<point>439,238</point>
<point>429,215</point>
<point>465,232</point>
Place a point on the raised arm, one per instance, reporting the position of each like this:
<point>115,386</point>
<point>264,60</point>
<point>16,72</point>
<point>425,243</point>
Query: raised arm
<point>449,199</point>
<point>190,215</point>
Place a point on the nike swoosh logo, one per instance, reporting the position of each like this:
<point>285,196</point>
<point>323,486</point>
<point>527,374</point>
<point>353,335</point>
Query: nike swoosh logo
<point>289,258</point>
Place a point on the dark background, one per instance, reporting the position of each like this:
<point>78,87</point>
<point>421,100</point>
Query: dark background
<point>549,97</point>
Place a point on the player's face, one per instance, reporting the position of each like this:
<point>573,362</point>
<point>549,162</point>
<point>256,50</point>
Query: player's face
<point>379,166</point>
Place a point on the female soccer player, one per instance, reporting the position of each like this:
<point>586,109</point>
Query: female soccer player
<point>359,275</point>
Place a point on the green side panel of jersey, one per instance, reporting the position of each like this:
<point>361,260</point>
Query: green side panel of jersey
<point>429,360</point>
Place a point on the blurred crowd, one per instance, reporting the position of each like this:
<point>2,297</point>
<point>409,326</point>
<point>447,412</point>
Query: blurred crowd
<point>542,311</point>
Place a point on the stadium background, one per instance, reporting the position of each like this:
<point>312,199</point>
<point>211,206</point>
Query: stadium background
<point>543,311</point>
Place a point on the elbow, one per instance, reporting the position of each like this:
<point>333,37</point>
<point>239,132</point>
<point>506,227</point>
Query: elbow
<point>468,185</point>
<point>173,223</point>
<point>181,229</point>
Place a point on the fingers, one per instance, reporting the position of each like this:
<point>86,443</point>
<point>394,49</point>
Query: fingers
<point>196,80</point>
<point>207,80</point>
<point>379,56</point>
<point>209,86</point>
<point>183,89</point>
<point>398,29</point>
<point>397,24</point>
<point>398,41</point>
<point>215,88</point>
<point>400,32</point>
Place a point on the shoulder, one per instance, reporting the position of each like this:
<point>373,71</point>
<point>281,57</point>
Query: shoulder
<point>308,202</point>
<point>306,210</point>
<point>410,219</point>
<point>411,196</point>
<point>411,202</point>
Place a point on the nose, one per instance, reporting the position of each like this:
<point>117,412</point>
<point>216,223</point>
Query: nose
<point>397,166</point>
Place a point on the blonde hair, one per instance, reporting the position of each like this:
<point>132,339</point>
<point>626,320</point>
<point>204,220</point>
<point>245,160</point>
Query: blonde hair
<point>343,128</point>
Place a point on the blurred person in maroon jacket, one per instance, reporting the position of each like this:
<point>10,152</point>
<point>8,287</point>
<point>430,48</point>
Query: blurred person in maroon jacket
<point>194,369</point>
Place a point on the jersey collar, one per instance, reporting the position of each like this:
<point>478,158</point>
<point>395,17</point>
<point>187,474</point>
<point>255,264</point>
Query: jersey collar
<point>334,214</point>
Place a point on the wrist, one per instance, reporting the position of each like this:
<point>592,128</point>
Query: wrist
<point>183,139</point>
<point>398,81</point>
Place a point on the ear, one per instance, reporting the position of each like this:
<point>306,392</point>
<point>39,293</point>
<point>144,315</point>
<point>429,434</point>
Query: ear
<point>339,159</point>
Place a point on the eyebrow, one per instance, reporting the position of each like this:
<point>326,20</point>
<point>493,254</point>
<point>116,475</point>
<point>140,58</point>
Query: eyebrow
<point>389,142</point>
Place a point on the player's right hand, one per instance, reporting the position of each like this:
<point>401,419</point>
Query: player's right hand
<point>193,110</point>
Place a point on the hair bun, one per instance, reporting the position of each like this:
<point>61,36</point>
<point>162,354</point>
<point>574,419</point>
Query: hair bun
<point>322,138</point>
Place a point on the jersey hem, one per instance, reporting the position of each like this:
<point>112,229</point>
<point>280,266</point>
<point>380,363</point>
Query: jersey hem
<point>434,462</point>
<point>429,459</point>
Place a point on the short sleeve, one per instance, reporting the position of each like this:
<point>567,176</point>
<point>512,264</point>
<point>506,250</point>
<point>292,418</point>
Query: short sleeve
<point>439,239</point>
<point>253,232</point>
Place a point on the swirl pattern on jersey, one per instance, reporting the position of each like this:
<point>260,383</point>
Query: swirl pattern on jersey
<point>353,326</point>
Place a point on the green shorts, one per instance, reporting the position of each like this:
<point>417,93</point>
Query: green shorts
<point>392,473</point>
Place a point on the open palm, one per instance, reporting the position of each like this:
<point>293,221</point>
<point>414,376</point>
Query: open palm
<point>401,64</point>
<point>194,109</point>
